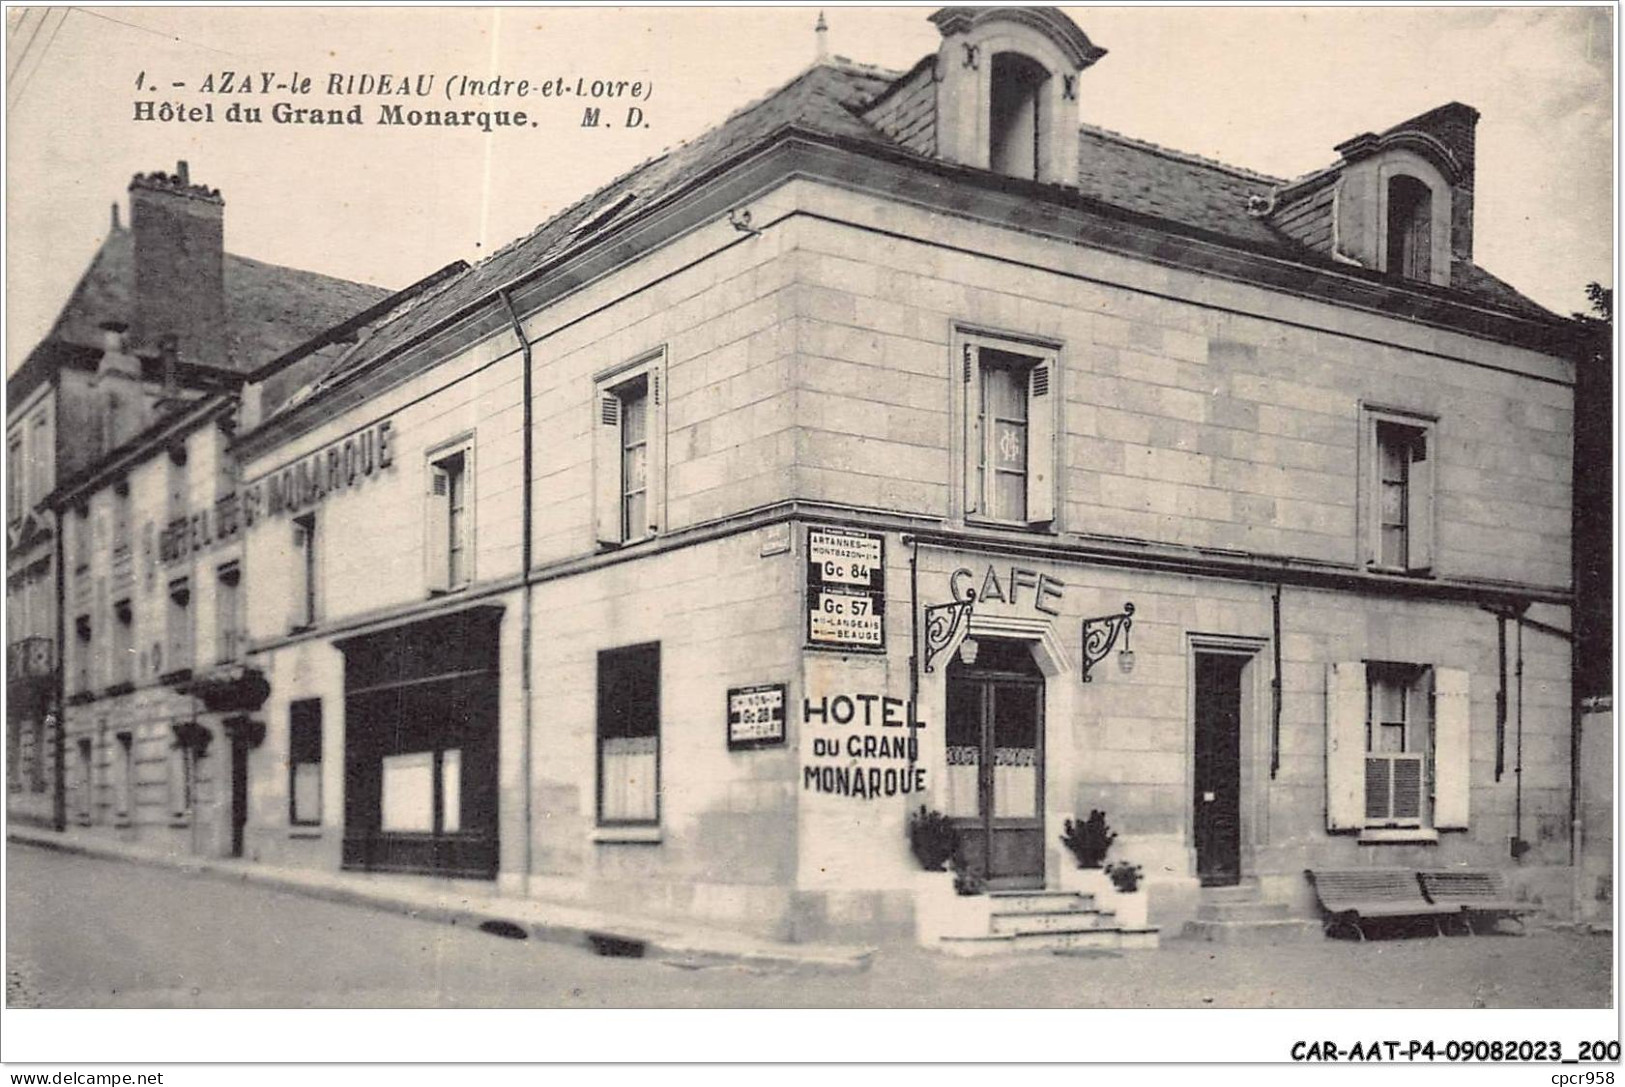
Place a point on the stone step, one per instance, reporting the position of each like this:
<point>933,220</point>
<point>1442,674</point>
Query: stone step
<point>1248,890</point>
<point>1101,939</point>
<point>1243,911</point>
<point>1039,901</point>
<point>1255,932</point>
<point>1023,922</point>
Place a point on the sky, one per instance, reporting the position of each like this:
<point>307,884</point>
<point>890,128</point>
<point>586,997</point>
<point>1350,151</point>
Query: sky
<point>1271,89</point>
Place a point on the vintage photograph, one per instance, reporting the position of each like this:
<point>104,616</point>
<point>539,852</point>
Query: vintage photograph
<point>768,507</point>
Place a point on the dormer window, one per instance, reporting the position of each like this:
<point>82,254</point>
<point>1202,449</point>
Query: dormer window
<point>1410,228</point>
<point>1015,115</point>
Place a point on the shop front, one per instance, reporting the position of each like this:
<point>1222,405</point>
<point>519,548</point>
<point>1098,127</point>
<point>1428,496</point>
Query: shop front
<point>420,749</point>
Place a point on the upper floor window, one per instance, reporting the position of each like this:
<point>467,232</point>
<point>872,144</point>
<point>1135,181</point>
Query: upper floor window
<point>228,612</point>
<point>84,653</point>
<point>1009,443</point>
<point>16,501</point>
<point>40,456</point>
<point>122,664</point>
<point>81,540</point>
<point>121,519</point>
<point>302,600</point>
<point>629,453</point>
<point>448,520</point>
<point>1398,505</point>
<point>1015,121</point>
<point>180,625</point>
<point>1410,228</point>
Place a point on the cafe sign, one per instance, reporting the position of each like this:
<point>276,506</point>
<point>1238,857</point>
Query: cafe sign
<point>846,589</point>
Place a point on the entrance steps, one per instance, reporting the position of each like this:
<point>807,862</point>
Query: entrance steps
<point>1048,921</point>
<point>1241,915</point>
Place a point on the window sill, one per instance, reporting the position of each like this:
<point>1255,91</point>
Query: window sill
<point>1046,528</point>
<point>309,834</point>
<point>1399,836</point>
<point>1420,573</point>
<point>627,835</point>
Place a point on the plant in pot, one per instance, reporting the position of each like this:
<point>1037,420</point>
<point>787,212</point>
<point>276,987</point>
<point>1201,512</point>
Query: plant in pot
<point>945,904</point>
<point>1129,898</point>
<point>1088,840</point>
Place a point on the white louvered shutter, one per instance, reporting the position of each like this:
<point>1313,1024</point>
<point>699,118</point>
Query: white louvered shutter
<point>1041,453</point>
<point>1419,502</point>
<point>1452,748</point>
<point>437,530</point>
<point>971,379</point>
<point>606,460</point>
<point>655,468</point>
<point>1345,745</point>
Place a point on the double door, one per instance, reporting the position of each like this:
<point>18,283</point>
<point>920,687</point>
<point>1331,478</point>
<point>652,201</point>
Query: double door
<point>995,772</point>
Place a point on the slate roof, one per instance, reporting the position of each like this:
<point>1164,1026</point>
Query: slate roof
<point>1183,190</point>
<point>269,309</point>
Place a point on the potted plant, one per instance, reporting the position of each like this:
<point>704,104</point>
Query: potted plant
<point>945,904</point>
<point>1088,840</point>
<point>1129,899</point>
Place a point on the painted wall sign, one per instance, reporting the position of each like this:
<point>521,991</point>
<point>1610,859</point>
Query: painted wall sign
<point>863,746</point>
<point>341,465</point>
<point>846,589</point>
<point>1046,591</point>
<point>200,531</point>
<point>755,716</point>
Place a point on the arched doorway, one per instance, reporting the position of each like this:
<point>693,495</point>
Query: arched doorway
<point>994,787</point>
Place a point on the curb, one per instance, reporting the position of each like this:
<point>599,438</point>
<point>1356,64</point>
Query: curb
<point>610,937</point>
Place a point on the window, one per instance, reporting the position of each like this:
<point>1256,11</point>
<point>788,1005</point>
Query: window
<point>1015,121</point>
<point>121,522</point>
<point>124,777</point>
<point>629,736</point>
<point>629,453</point>
<point>81,540</point>
<point>123,643</point>
<point>84,652</point>
<point>87,783</point>
<point>1009,444</point>
<point>448,519</point>
<point>16,503</point>
<point>305,762</point>
<point>182,780</point>
<point>302,601</point>
<point>1397,750</point>
<point>177,482</point>
<point>1410,228</point>
<point>179,627</point>
<point>40,457</point>
<point>1398,509</point>
<point>1398,744</point>
<point>227,612</point>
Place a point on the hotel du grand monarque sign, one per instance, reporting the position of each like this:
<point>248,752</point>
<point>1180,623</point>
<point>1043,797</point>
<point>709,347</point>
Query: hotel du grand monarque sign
<point>348,462</point>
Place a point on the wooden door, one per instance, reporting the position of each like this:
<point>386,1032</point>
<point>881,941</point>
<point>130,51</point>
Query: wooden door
<point>1217,777</point>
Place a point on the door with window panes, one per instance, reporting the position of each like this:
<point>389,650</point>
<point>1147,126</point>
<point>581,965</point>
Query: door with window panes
<point>994,789</point>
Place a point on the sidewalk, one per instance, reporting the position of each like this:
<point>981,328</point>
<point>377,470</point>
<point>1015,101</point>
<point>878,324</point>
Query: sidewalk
<point>470,905</point>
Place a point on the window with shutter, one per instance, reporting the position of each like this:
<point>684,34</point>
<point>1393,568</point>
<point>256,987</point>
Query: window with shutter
<point>448,520</point>
<point>302,600</point>
<point>1398,485</point>
<point>1399,744</point>
<point>1009,450</point>
<point>629,452</point>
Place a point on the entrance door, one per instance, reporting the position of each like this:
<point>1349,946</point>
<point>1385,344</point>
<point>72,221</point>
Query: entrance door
<point>995,786</point>
<point>239,793</point>
<point>1217,776</point>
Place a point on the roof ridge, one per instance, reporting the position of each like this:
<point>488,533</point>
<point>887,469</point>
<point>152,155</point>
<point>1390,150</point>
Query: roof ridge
<point>595,196</point>
<point>1182,156</point>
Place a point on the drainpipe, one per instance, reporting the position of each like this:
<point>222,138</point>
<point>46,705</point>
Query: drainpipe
<point>914,637</point>
<point>59,787</point>
<point>525,515</point>
<point>1275,690</point>
<point>1519,846</point>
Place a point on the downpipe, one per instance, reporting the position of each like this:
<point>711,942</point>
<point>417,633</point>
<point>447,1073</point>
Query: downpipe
<point>525,621</point>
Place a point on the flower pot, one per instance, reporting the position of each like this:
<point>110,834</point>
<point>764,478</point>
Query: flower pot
<point>1130,908</point>
<point>1089,881</point>
<point>940,911</point>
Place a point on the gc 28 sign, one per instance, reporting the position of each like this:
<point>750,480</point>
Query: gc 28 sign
<point>755,716</point>
<point>846,589</point>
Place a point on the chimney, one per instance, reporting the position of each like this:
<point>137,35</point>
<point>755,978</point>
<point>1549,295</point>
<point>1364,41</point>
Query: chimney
<point>179,244</point>
<point>1456,126</point>
<point>821,33</point>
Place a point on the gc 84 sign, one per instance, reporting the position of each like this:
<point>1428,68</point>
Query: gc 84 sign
<point>846,589</point>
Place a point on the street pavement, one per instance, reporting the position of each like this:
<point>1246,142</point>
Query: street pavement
<point>89,932</point>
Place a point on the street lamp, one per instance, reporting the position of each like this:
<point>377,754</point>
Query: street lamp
<point>1100,634</point>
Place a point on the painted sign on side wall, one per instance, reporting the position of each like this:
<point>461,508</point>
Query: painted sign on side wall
<point>846,589</point>
<point>863,745</point>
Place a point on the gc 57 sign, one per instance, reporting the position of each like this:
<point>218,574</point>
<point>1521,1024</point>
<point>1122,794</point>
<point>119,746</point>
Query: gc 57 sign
<point>846,589</point>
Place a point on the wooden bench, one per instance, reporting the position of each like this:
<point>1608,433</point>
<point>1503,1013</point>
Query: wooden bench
<point>1478,894</point>
<point>1355,895</point>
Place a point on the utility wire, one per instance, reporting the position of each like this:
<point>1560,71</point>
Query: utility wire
<point>46,48</point>
<point>22,55</point>
<point>155,33</point>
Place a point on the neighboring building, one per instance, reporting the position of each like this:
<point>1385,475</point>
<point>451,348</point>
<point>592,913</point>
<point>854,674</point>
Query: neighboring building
<point>162,315</point>
<point>621,568</point>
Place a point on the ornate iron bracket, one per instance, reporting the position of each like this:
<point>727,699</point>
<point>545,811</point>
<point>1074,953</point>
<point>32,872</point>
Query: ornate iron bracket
<point>1100,634</point>
<point>944,623</point>
<point>973,56</point>
<point>1069,87</point>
